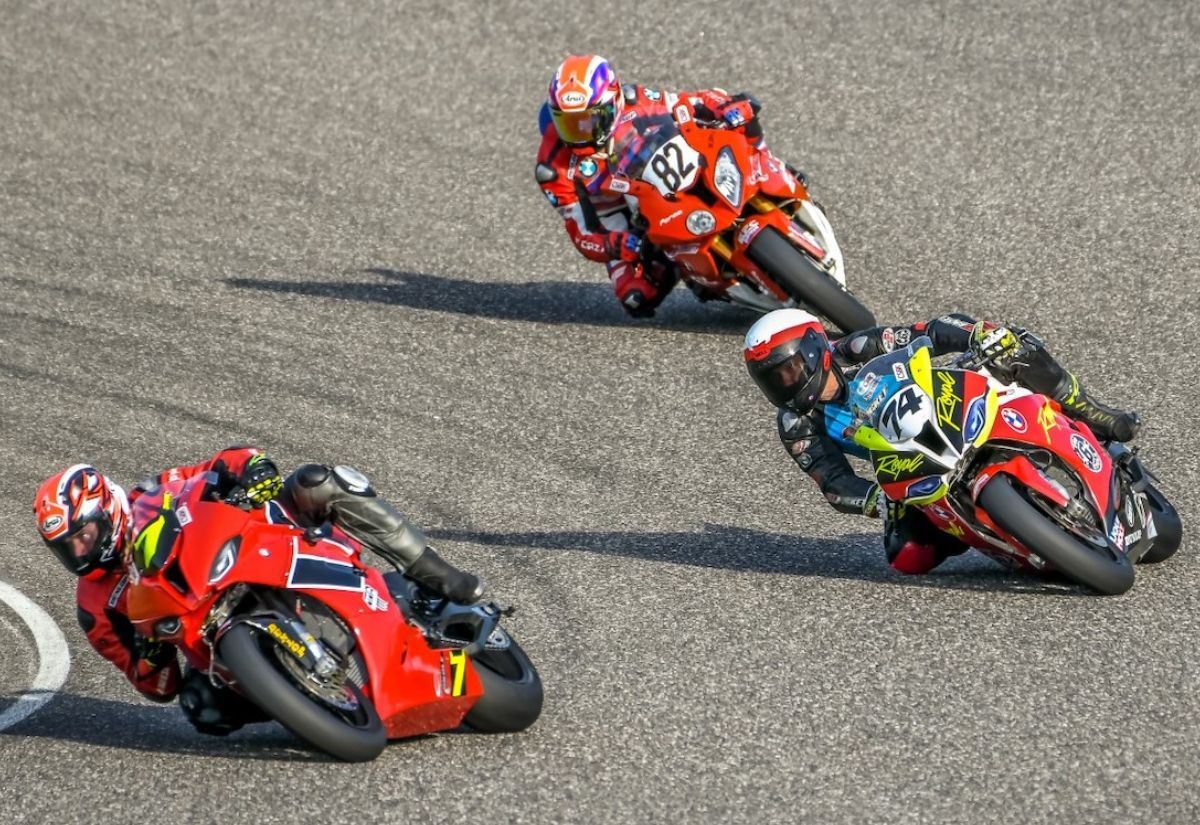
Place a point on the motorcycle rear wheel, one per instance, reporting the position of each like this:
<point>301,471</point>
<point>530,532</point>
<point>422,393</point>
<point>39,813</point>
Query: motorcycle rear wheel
<point>806,283</point>
<point>512,691</point>
<point>1021,519</point>
<point>357,740</point>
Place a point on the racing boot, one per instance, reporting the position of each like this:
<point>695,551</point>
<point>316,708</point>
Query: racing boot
<point>215,711</point>
<point>912,544</point>
<point>345,496</point>
<point>1035,368</point>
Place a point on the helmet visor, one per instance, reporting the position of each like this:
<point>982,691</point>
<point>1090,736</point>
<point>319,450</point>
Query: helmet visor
<point>82,550</point>
<point>590,127</point>
<point>794,375</point>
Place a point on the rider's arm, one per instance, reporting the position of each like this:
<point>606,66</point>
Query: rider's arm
<point>151,668</point>
<point>817,454</point>
<point>583,226</point>
<point>949,334</point>
<point>231,460</point>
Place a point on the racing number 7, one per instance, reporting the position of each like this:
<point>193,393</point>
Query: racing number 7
<point>458,673</point>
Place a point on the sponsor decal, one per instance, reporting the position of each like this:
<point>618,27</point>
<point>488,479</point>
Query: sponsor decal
<point>923,487</point>
<point>900,371</point>
<point>897,465</point>
<point>1129,509</point>
<point>280,635</point>
<point>588,167</point>
<point>748,232</point>
<point>1133,538</point>
<point>1014,420</point>
<point>184,515</point>
<point>550,196</point>
<point>572,100</point>
<point>1086,452</point>
<point>888,339</point>
<point>953,529</point>
<point>652,94</point>
<point>948,402</point>
<point>682,115</point>
<point>975,419</point>
<point>903,336</point>
<point>115,596</point>
<point>941,512</point>
<point>1117,533</point>
<point>669,218</point>
<point>1048,420</point>
<point>591,246</point>
<point>373,600</point>
<point>51,524</point>
<point>618,185</point>
<point>868,384</point>
<point>757,174</point>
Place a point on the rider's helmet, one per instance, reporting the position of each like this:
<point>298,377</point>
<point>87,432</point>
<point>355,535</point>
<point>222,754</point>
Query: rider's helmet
<point>788,356</point>
<point>585,100</point>
<point>82,518</point>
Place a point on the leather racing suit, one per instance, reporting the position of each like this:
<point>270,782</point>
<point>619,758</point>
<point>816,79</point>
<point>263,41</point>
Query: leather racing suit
<point>817,444</point>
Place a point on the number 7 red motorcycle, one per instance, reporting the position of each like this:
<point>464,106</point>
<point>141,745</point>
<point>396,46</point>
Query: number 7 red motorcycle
<point>734,220</point>
<point>295,621</point>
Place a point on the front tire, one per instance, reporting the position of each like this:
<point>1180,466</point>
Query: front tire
<point>806,283</point>
<point>1025,522</point>
<point>1168,525</point>
<point>359,740</point>
<point>512,691</point>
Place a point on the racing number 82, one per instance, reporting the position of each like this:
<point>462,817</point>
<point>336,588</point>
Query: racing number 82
<point>671,176</point>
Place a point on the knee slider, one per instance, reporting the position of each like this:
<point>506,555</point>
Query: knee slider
<point>352,481</point>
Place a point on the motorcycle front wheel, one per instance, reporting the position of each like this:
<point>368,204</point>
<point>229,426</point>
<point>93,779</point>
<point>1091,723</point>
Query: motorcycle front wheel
<point>353,734</point>
<point>1101,570</point>
<point>806,283</point>
<point>512,690</point>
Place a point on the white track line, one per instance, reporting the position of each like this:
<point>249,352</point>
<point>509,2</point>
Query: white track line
<point>52,651</point>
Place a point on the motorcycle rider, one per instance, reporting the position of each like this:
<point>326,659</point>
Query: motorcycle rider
<point>84,519</point>
<point>796,366</point>
<point>585,105</point>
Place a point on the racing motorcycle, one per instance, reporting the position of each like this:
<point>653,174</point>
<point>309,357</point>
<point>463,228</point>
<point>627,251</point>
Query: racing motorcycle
<point>294,620</point>
<point>1002,469</point>
<point>733,219</point>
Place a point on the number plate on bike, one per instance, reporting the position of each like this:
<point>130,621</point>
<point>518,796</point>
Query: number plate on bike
<point>673,167</point>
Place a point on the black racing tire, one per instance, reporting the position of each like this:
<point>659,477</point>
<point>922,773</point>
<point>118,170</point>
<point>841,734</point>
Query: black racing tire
<point>806,283</point>
<point>512,691</point>
<point>265,685</point>
<point>1169,529</point>
<point>1017,516</point>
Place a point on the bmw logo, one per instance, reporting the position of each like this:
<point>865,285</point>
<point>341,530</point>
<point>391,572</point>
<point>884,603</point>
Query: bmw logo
<point>587,168</point>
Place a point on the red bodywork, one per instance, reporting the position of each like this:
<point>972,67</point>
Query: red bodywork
<point>1044,427</point>
<point>766,183</point>
<point>408,682</point>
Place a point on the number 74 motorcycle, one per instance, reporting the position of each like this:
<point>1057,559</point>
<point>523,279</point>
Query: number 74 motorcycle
<point>731,217</point>
<point>294,620</point>
<point>1002,469</point>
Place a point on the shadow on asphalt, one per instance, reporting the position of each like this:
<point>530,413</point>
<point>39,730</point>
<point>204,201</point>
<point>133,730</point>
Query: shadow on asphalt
<point>154,729</point>
<point>549,302</point>
<point>856,556</point>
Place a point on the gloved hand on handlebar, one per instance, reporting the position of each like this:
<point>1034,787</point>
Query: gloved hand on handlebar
<point>991,343</point>
<point>258,483</point>
<point>624,246</point>
<point>740,110</point>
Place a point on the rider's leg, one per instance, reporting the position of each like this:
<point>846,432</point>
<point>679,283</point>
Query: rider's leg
<point>913,545</point>
<point>345,497</point>
<point>1035,368</point>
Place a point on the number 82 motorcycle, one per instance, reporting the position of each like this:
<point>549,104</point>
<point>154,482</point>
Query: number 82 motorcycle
<point>1002,469</point>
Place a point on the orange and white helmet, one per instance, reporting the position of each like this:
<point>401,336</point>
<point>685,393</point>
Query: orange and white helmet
<point>585,100</point>
<point>788,356</point>
<point>82,517</point>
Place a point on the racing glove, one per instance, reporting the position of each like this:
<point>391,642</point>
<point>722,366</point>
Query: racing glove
<point>740,110</point>
<point>623,246</point>
<point>994,344</point>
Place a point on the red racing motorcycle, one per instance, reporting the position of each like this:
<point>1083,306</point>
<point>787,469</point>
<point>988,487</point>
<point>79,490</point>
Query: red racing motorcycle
<point>1002,469</point>
<point>342,655</point>
<point>734,220</point>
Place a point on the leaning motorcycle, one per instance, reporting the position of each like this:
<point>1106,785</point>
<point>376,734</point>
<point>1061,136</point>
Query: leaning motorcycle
<point>733,219</point>
<point>294,620</point>
<point>1002,469</point>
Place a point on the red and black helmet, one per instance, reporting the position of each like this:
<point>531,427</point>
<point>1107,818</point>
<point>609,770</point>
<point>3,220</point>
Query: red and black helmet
<point>788,356</point>
<point>66,506</point>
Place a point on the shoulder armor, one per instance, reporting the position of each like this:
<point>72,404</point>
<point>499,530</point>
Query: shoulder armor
<point>544,173</point>
<point>630,91</point>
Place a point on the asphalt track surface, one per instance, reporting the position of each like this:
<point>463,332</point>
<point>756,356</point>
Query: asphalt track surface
<point>313,226</point>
